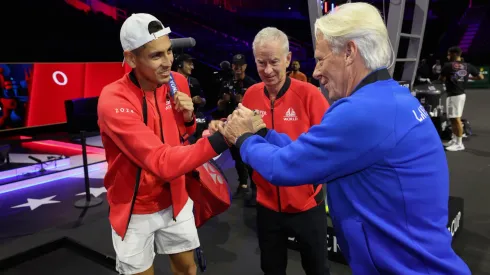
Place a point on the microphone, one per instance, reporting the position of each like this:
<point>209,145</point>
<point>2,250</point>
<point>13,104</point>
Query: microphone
<point>179,43</point>
<point>182,43</point>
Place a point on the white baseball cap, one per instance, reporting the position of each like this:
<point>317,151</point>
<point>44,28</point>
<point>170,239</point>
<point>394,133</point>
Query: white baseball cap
<point>134,31</point>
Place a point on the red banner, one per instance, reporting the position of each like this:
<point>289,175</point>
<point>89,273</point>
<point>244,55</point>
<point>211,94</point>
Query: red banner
<point>53,83</point>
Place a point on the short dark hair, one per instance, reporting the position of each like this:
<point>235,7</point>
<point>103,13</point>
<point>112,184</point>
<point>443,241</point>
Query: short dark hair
<point>455,51</point>
<point>153,27</point>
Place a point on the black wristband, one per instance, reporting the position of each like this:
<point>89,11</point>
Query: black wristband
<point>218,142</point>
<point>241,139</point>
<point>262,132</point>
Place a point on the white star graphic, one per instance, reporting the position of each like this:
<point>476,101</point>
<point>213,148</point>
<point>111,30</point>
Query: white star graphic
<point>96,192</point>
<point>35,203</point>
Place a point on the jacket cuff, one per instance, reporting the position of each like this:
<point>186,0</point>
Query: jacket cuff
<point>218,142</point>
<point>241,139</point>
<point>190,123</point>
<point>262,132</point>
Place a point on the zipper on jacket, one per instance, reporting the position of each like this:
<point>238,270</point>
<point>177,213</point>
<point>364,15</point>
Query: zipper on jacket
<point>161,130</point>
<point>277,187</point>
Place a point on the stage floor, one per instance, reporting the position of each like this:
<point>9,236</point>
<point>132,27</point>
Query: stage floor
<point>37,215</point>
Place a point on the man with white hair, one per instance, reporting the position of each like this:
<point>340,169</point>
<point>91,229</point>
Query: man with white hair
<point>386,171</point>
<point>290,107</point>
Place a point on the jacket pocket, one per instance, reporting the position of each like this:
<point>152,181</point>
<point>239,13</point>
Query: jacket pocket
<point>356,249</point>
<point>122,189</point>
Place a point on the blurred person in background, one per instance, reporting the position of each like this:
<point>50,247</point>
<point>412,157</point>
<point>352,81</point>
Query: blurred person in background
<point>235,88</point>
<point>241,80</point>
<point>424,72</point>
<point>455,75</point>
<point>185,66</point>
<point>436,69</point>
<point>295,72</point>
<point>232,94</point>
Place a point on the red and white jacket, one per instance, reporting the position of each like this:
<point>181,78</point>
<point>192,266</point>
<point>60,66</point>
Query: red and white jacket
<point>156,148</point>
<point>298,106</point>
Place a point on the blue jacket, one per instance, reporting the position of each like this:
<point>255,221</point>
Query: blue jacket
<point>387,175</point>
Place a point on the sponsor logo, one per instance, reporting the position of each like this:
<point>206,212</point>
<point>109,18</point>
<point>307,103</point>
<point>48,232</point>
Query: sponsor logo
<point>213,172</point>
<point>173,86</point>
<point>290,115</point>
<point>421,114</point>
<point>60,78</point>
<point>454,226</point>
<point>262,113</point>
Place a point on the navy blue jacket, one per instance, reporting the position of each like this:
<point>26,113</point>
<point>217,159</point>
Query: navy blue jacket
<point>387,175</point>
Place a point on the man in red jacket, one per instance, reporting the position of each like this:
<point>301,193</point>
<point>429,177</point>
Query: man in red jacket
<point>291,107</point>
<point>143,125</point>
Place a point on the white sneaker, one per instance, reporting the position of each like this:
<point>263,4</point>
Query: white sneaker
<point>449,143</point>
<point>455,147</point>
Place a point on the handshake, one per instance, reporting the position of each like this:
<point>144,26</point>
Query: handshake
<point>241,121</point>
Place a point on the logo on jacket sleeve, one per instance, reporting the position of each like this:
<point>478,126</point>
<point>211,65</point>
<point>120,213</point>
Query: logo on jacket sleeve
<point>290,115</point>
<point>123,110</point>
<point>262,113</point>
<point>421,114</point>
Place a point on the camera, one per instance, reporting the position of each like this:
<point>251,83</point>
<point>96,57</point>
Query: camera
<point>224,78</point>
<point>225,73</point>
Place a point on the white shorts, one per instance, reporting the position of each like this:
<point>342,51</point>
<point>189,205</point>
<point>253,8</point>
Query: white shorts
<point>145,232</point>
<point>455,106</point>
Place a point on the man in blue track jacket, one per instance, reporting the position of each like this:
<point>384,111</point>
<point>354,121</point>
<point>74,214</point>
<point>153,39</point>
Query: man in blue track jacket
<point>376,147</point>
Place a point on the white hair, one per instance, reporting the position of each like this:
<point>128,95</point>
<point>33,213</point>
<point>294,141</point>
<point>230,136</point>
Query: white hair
<point>271,34</point>
<point>362,24</point>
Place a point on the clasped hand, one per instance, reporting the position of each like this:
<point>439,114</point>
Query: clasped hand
<point>184,104</point>
<point>241,121</point>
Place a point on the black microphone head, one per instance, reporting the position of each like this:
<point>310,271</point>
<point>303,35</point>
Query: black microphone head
<point>192,41</point>
<point>181,43</point>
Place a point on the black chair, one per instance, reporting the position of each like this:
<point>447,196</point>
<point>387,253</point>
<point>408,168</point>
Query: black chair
<point>81,115</point>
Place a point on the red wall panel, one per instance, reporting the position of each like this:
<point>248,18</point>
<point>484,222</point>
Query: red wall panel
<point>98,75</point>
<point>53,83</point>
